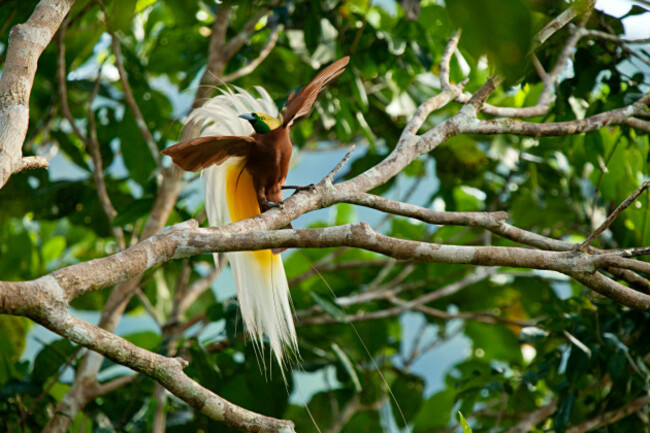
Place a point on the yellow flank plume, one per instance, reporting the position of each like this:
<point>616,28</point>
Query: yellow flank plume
<point>242,203</point>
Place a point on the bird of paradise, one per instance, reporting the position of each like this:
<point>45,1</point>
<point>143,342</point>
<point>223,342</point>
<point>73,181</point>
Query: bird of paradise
<point>245,163</point>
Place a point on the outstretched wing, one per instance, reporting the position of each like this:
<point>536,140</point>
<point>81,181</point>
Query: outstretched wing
<point>299,104</point>
<point>202,152</point>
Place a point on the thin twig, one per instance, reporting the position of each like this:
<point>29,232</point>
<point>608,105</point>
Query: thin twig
<point>610,219</point>
<point>102,389</point>
<point>34,162</point>
<point>560,21</point>
<point>131,102</point>
<point>98,172</point>
<point>450,48</point>
<point>330,176</point>
<point>63,90</point>
<point>611,416</point>
<point>253,64</point>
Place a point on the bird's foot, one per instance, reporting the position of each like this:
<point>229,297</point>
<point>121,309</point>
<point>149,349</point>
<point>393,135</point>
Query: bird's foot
<point>299,188</point>
<point>272,204</point>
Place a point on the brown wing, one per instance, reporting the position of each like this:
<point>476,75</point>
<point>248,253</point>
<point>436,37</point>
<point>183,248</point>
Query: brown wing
<point>202,152</point>
<point>299,104</point>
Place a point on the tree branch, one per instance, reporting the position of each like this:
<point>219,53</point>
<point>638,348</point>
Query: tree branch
<point>33,162</point>
<point>611,416</point>
<point>253,64</point>
<point>186,239</point>
<point>50,311</point>
<point>560,21</point>
<point>612,217</point>
<point>133,105</point>
<point>26,43</point>
<point>617,116</point>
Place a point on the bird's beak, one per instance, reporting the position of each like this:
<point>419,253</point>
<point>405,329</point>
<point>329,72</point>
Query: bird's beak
<point>247,116</point>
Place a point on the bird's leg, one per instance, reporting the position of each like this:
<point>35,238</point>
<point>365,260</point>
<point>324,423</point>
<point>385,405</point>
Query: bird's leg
<point>299,188</point>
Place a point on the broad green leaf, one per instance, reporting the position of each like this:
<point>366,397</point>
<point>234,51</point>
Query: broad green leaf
<point>13,331</point>
<point>345,214</point>
<point>147,339</point>
<point>435,412</point>
<point>499,28</point>
<point>53,249</point>
<point>50,359</point>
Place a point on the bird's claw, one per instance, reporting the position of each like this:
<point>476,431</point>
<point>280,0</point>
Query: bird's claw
<point>272,204</point>
<point>310,187</point>
<point>298,188</point>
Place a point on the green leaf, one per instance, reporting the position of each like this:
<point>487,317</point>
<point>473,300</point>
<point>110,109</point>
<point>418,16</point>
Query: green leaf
<point>435,413</point>
<point>328,307</point>
<point>464,424</point>
<point>408,391</point>
<point>415,169</point>
<point>143,4</point>
<point>148,340</point>
<point>404,228</point>
<point>345,214</point>
<point>312,31</point>
<point>499,28</point>
<point>133,212</point>
<point>349,368</point>
<point>50,359</point>
<point>563,414</point>
<point>636,10</point>
<point>136,153</point>
<point>205,367</point>
<point>13,331</point>
<point>360,93</point>
<point>120,16</point>
<point>53,249</point>
<point>75,151</point>
<point>496,342</point>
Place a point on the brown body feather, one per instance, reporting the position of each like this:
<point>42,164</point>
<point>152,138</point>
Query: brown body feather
<point>268,163</point>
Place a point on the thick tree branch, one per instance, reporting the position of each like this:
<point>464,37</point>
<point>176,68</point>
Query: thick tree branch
<point>49,310</point>
<point>216,63</point>
<point>186,239</point>
<point>26,43</point>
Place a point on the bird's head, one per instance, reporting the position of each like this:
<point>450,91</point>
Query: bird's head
<point>262,122</point>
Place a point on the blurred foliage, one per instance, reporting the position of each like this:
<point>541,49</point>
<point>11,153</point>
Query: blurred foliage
<point>559,187</point>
